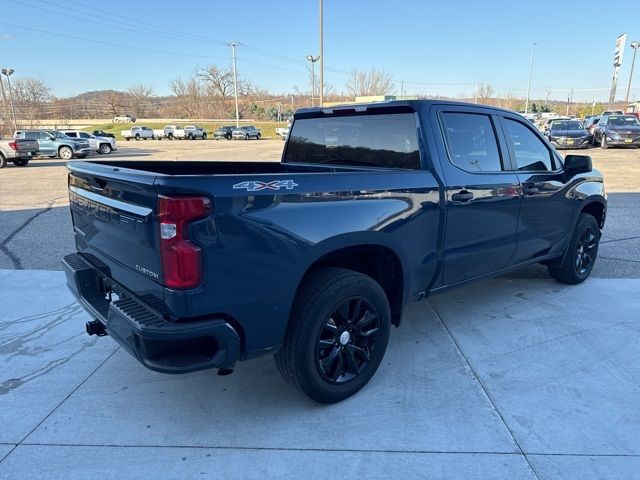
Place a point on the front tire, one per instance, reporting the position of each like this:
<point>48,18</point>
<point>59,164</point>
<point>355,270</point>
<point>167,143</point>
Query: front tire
<point>65,153</point>
<point>581,252</point>
<point>337,336</point>
<point>105,149</point>
<point>603,143</point>
<point>137,137</point>
<point>204,136</point>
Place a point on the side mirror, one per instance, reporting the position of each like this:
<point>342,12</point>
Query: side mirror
<point>575,164</point>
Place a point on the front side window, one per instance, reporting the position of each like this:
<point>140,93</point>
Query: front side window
<point>377,140</point>
<point>530,152</point>
<point>471,142</point>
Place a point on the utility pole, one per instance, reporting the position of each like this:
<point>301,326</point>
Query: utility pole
<point>569,100</point>
<point>321,58</point>
<point>546,96</point>
<point>593,106</point>
<point>475,93</point>
<point>313,61</point>
<point>526,104</point>
<point>635,46</point>
<point>233,46</point>
<point>4,100</point>
<point>401,89</point>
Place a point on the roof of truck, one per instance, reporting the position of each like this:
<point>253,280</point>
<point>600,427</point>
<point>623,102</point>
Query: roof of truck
<point>392,104</point>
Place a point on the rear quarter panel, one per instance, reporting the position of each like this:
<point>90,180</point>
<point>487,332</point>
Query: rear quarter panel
<point>258,245</point>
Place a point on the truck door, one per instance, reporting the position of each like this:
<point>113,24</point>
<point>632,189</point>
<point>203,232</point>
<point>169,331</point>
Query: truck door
<point>545,214</point>
<point>482,194</point>
<point>45,142</point>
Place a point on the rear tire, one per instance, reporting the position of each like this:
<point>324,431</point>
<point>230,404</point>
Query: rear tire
<point>337,335</point>
<point>581,254</point>
<point>3,161</point>
<point>258,137</point>
<point>20,163</point>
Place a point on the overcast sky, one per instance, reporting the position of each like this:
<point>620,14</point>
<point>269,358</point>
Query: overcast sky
<point>435,47</point>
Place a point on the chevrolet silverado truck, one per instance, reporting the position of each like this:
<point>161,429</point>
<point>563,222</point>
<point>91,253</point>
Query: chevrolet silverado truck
<point>18,151</point>
<point>197,265</point>
<point>52,143</point>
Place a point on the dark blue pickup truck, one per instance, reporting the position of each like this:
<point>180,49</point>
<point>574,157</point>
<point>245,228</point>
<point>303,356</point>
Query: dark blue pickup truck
<point>193,265</point>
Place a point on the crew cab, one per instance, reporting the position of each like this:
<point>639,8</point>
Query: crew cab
<point>102,145</point>
<point>197,265</point>
<point>52,143</point>
<point>137,133</point>
<point>18,151</point>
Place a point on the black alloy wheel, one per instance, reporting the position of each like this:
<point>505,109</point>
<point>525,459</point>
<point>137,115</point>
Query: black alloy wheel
<point>587,245</point>
<point>346,340</point>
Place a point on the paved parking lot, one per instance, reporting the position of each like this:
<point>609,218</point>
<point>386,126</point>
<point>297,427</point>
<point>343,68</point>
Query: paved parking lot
<point>517,377</point>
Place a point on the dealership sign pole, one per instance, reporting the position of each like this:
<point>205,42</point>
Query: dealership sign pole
<point>617,61</point>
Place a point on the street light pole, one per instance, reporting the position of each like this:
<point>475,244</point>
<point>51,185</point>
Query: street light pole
<point>635,46</point>
<point>8,72</point>
<point>4,99</point>
<point>321,57</point>
<point>233,46</point>
<point>526,104</point>
<point>313,61</point>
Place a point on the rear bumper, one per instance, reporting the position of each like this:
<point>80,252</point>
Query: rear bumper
<point>160,345</point>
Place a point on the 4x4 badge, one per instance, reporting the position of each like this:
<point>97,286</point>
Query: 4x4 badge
<point>255,185</point>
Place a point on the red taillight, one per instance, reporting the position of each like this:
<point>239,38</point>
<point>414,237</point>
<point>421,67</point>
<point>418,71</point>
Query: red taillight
<point>181,259</point>
<point>13,145</point>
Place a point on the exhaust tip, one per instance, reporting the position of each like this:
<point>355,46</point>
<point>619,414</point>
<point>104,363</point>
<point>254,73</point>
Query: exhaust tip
<point>95,327</point>
<point>224,371</point>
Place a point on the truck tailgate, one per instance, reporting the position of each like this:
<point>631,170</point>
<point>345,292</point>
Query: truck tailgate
<point>113,213</point>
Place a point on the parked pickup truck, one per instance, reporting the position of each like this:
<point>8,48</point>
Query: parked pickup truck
<point>196,265</point>
<point>102,145</point>
<point>137,133</point>
<point>17,151</point>
<point>189,132</point>
<point>52,143</point>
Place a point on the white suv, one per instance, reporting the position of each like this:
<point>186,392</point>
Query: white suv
<point>104,145</point>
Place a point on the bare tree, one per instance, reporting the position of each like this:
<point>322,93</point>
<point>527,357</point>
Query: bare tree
<point>218,81</point>
<point>30,96</point>
<point>114,102</point>
<point>372,82</point>
<point>190,96</point>
<point>484,92</point>
<point>140,97</point>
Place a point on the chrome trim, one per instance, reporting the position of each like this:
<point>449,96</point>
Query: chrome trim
<point>110,202</point>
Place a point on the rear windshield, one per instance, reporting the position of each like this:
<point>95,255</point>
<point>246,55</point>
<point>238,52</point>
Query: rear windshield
<point>383,140</point>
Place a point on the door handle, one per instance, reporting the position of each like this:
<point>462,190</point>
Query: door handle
<point>462,196</point>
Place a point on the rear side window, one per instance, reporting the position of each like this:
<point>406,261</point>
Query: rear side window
<point>31,135</point>
<point>530,152</point>
<point>471,142</point>
<point>383,140</point>
<point>71,134</point>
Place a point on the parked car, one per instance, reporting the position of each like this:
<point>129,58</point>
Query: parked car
<point>103,145</point>
<point>52,143</point>
<point>283,132</point>
<point>245,133</point>
<point>18,151</point>
<point>547,122</point>
<point>617,131</point>
<point>590,123</point>
<point>192,132</point>
<point>102,133</point>
<point>124,119</point>
<point>137,133</point>
<point>224,132</point>
<point>203,264</point>
<point>568,134</point>
<point>172,131</point>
